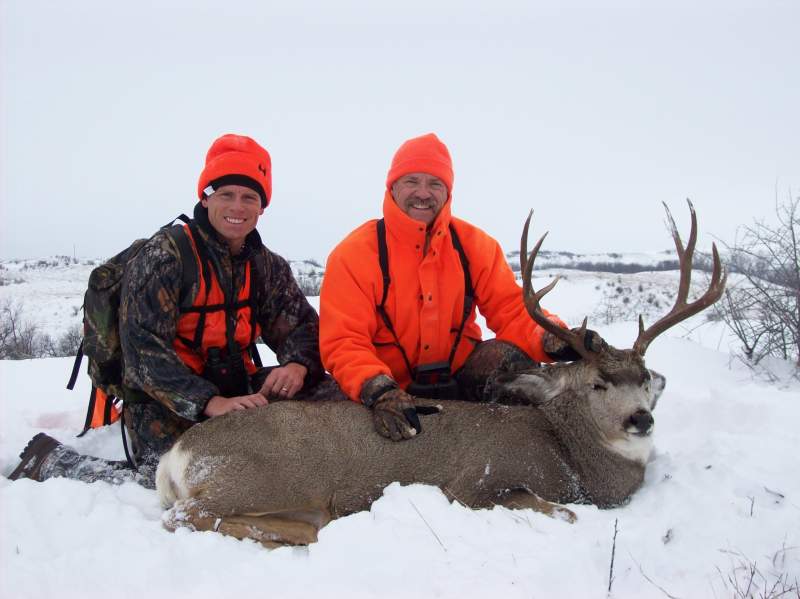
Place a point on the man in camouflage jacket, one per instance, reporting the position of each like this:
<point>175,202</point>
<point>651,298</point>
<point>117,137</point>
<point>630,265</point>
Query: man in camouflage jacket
<point>166,387</point>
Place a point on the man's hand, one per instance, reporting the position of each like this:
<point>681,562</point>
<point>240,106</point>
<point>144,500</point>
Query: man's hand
<point>560,351</point>
<point>395,415</point>
<point>218,405</point>
<point>284,382</point>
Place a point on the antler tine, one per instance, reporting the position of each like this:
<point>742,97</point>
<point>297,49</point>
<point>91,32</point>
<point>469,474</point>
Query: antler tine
<point>681,310</point>
<point>685,256</point>
<point>523,245</point>
<point>532,298</point>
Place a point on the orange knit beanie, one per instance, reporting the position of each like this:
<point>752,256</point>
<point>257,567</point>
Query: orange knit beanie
<point>236,160</point>
<point>424,154</point>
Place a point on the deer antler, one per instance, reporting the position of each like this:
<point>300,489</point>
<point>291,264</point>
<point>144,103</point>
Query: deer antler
<point>574,339</point>
<point>681,310</point>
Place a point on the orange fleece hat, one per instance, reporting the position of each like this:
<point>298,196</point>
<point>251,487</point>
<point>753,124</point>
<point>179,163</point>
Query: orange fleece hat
<point>237,160</point>
<point>424,154</point>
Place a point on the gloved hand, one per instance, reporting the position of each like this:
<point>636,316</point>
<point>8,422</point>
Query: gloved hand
<point>560,351</point>
<point>395,415</point>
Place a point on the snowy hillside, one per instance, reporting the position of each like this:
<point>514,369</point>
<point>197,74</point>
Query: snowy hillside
<point>49,291</point>
<point>719,508</point>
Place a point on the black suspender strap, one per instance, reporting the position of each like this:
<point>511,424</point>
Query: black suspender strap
<point>469,291</point>
<point>383,258</point>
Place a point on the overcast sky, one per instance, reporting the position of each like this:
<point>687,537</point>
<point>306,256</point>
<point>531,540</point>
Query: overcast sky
<point>592,113</point>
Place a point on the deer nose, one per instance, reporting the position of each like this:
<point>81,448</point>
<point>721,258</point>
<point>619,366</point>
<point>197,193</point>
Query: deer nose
<point>640,422</point>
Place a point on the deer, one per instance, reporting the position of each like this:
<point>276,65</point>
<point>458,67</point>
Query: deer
<point>578,432</point>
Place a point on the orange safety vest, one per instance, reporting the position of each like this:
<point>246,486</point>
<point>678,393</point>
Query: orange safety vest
<point>203,325</point>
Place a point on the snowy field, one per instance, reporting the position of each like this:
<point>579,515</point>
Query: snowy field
<point>721,496</point>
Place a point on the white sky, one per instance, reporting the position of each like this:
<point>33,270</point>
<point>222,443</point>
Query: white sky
<point>591,113</point>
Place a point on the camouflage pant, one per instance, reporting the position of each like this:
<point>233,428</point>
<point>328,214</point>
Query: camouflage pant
<point>153,430</point>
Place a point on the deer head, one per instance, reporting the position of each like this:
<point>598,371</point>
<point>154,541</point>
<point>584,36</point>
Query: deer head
<point>277,474</point>
<point>612,389</point>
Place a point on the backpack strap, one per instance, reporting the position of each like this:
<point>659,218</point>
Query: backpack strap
<point>76,366</point>
<point>188,264</point>
<point>203,254</point>
<point>257,269</point>
<point>101,410</point>
<point>181,217</point>
<point>128,455</point>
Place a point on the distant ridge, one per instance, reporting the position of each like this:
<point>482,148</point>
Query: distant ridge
<point>309,272</point>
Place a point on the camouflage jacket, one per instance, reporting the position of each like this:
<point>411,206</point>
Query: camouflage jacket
<point>149,313</point>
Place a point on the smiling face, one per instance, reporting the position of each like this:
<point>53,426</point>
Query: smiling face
<point>420,195</point>
<point>233,211</point>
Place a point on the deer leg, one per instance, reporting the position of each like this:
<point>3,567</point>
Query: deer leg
<point>271,530</point>
<point>520,499</point>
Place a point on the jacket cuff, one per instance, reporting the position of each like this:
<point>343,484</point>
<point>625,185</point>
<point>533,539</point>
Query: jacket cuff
<point>373,388</point>
<point>314,369</point>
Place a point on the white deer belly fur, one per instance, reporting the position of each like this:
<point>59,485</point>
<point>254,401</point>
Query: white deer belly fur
<point>636,449</point>
<point>171,476</point>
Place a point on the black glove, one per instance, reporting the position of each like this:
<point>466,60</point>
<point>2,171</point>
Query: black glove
<point>396,415</point>
<point>560,351</point>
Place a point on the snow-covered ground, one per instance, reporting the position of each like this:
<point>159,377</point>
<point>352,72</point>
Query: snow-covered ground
<point>721,495</point>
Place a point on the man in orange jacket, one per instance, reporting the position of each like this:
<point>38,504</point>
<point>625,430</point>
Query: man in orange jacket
<point>397,313</point>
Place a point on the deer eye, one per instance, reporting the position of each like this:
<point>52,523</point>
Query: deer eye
<point>599,387</point>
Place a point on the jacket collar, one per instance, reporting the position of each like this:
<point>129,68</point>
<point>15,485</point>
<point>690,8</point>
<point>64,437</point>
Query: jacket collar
<point>408,231</point>
<point>215,241</point>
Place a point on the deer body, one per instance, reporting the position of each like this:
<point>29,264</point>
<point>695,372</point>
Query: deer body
<point>324,458</point>
<point>578,432</point>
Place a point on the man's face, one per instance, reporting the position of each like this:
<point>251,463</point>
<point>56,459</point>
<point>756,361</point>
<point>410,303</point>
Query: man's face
<point>233,211</point>
<point>420,195</point>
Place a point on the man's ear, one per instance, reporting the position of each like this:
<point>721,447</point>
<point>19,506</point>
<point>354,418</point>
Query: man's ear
<point>204,202</point>
<point>262,210</point>
<point>528,387</point>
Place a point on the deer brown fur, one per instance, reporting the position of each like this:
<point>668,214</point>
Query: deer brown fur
<point>580,433</point>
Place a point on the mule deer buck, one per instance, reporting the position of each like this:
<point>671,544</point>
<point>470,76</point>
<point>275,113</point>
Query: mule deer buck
<point>578,432</point>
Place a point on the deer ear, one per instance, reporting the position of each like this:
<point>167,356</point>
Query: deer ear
<point>530,387</point>
<point>657,383</point>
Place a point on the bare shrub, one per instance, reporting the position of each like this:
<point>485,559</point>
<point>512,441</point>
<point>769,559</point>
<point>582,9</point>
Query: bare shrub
<point>69,342</point>
<point>19,339</point>
<point>625,299</point>
<point>770,579</point>
<point>763,309</point>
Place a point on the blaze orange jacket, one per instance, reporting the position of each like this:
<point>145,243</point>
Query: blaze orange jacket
<point>425,302</point>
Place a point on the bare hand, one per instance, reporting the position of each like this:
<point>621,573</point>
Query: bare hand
<point>285,381</point>
<point>218,405</point>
